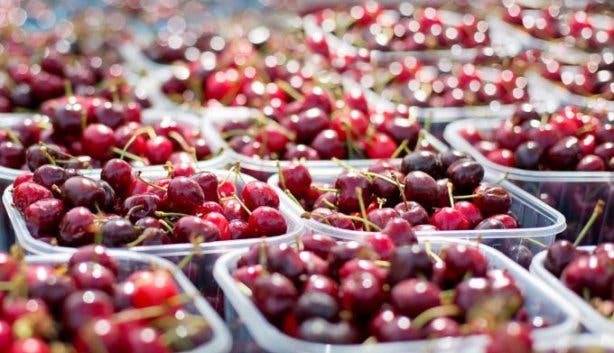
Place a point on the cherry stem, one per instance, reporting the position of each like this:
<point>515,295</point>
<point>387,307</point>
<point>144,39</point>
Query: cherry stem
<point>149,183</point>
<point>195,249</point>
<point>382,263</point>
<point>596,213</point>
<point>363,210</point>
<point>262,258</point>
<point>439,311</point>
<point>325,189</point>
<point>14,139</point>
<point>399,149</point>
<point>450,195</point>
<point>243,288</point>
<point>292,197</point>
<point>282,179</point>
<point>235,132</point>
<point>249,212</point>
<point>144,236</point>
<point>536,242</point>
<point>164,214</point>
<point>45,153</point>
<point>291,91</point>
<point>166,225</point>
<point>127,154</point>
<point>67,88</point>
<point>136,134</point>
<point>429,252</point>
<point>329,204</point>
<point>152,312</point>
<point>364,221</point>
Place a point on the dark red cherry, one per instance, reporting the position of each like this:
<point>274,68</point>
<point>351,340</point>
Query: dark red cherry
<point>413,296</point>
<point>321,331</point>
<point>296,178</point>
<point>78,227</point>
<point>118,173</point>
<point>412,212</point>
<point>185,195</point>
<point>420,187</point>
<point>492,199</point>
<point>96,254</point>
<point>83,191</point>
<point>274,295</point>
<point>90,275</point>
<point>409,262</point>
<point>361,293</point>
<point>257,193</point>
<point>43,217</point>
<point>267,221</point>
<point>465,175</point>
<point>118,232</point>
<point>83,306</point>
<point>188,228</point>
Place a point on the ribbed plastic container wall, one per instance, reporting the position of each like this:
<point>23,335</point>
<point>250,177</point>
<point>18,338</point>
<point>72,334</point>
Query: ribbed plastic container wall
<point>129,262</point>
<point>574,194</point>
<point>252,333</point>
<point>201,265</point>
<point>540,223</point>
<point>589,317</point>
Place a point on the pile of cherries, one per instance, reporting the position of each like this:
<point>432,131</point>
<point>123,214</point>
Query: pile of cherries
<point>319,126</point>
<point>387,289</point>
<point>86,131</point>
<point>92,304</point>
<point>169,47</point>
<point>404,28</point>
<point>411,82</point>
<point>595,78</point>
<point>579,27</point>
<point>589,274</point>
<point>125,209</point>
<point>571,138</point>
<point>429,191</point>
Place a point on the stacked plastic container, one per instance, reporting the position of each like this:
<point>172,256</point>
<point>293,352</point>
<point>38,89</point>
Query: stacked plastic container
<point>201,265</point>
<point>129,263</point>
<point>254,334</point>
<point>574,193</point>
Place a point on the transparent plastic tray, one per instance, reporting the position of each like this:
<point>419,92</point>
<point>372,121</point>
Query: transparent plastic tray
<point>201,265</point>
<point>573,193</point>
<point>541,222</point>
<point>130,262</point>
<point>253,333</point>
<point>566,96</point>
<point>263,169</point>
<point>589,317</point>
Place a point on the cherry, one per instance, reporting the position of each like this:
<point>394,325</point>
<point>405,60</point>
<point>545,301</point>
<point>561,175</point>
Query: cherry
<point>316,304</point>
<point>388,326</point>
<point>43,216</point>
<point>448,218</point>
<point>413,296</point>
<point>458,260</point>
<point>592,163</point>
<point>28,345</point>
<point>588,273</point>
<point>309,124</point>
<point>83,191</point>
<point>381,216</point>
<point>118,173</point>
<point>424,161</point>
<point>28,193</point>
<point>420,187</point>
<point>257,193</point>
<point>274,295</point>
<point>400,232</point>
<point>321,283</point>
<point>83,306</point>
<point>49,175</point>
<point>267,221</point>
<point>502,157</point>
<point>492,199</point>
<point>96,254</point>
<point>409,262</point>
<point>140,206</point>
<point>285,260</point>
<point>322,331</point>
<point>528,155</point>
<point>103,333</point>
<point>153,288</point>
<point>90,275</point>
<point>558,256</point>
<point>77,227</point>
<point>564,155</point>
<point>442,327</point>
<point>117,232</point>
<point>511,338</point>
<point>158,149</point>
<point>348,196</point>
<point>208,182</point>
<point>361,293</point>
<point>188,228</point>
<point>319,244</point>
<point>185,195</point>
<point>380,145</point>
<point>12,154</point>
<point>472,293</point>
<point>412,212</point>
<point>465,175</point>
<point>471,212</point>
<point>97,141</point>
<point>328,145</point>
<point>313,263</point>
<point>144,340</point>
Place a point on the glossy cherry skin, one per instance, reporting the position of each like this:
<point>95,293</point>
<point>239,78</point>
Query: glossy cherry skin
<point>27,193</point>
<point>266,221</point>
<point>82,306</point>
<point>185,195</point>
<point>448,218</point>
<point>43,216</point>
<point>361,293</point>
<point>413,296</point>
<point>188,228</point>
<point>274,295</point>
<point>77,227</point>
<point>257,193</point>
<point>118,173</point>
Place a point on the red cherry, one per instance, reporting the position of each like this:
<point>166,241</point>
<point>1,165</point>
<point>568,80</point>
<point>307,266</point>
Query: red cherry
<point>220,222</point>
<point>152,288</point>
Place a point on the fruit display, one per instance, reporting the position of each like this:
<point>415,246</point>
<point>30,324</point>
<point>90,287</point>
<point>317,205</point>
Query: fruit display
<point>561,157</point>
<point>125,208</point>
<point>350,292</point>
<point>586,29</point>
<point>406,27</point>
<point>85,132</point>
<point>593,79</point>
<point>413,83</point>
<point>360,176</point>
<point>95,301</point>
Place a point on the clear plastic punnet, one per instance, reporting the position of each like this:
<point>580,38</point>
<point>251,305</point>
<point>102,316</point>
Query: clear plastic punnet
<point>129,262</point>
<point>150,116</point>
<point>589,317</point>
<point>253,333</point>
<point>539,223</point>
<point>263,169</point>
<point>574,194</point>
<point>200,267</point>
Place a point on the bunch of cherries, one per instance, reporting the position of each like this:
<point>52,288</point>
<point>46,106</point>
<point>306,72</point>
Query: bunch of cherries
<point>92,304</point>
<point>429,191</point>
<point>411,82</point>
<point>86,131</point>
<point>387,289</point>
<point>404,28</point>
<point>588,273</point>
<point>571,138</point>
<point>595,78</point>
<point>582,28</point>
<point>169,48</point>
<point>125,209</point>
